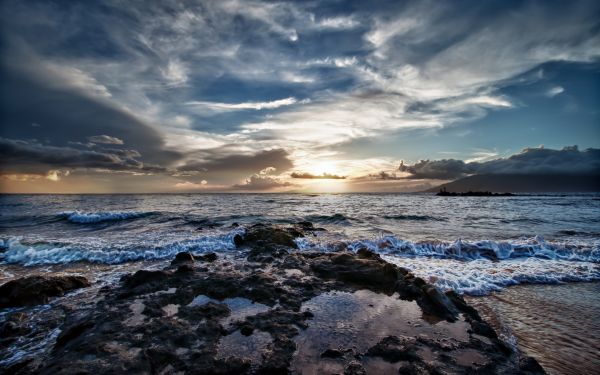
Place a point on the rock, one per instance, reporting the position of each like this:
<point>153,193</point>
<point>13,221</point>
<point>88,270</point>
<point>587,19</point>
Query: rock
<point>144,277</point>
<point>183,257</point>
<point>529,366</point>
<point>210,257</point>
<point>436,303</point>
<point>372,273</point>
<point>72,332</point>
<point>246,330</point>
<point>332,353</point>
<point>354,368</point>
<point>35,290</point>
<point>264,235</point>
<point>394,349</point>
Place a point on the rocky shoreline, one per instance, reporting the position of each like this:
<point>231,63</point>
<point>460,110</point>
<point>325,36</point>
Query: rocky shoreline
<point>272,311</point>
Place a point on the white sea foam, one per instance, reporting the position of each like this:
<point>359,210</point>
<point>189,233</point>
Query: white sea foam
<point>463,250</point>
<point>18,251</point>
<point>481,267</point>
<point>482,276</point>
<point>97,217</point>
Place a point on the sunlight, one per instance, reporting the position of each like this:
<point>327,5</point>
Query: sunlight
<point>326,166</point>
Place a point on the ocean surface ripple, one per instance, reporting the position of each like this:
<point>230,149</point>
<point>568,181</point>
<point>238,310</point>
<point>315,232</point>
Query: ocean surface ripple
<point>473,245</point>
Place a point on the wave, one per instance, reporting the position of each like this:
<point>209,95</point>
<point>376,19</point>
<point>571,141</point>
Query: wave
<point>413,217</point>
<point>482,276</point>
<point>466,251</point>
<point>79,217</point>
<point>16,251</point>
<point>328,219</point>
<point>481,267</point>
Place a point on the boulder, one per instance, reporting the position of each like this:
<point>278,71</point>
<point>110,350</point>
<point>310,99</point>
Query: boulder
<point>183,257</point>
<point>260,235</point>
<point>394,349</point>
<point>369,272</point>
<point>144,277</point>
<point>35,290</point>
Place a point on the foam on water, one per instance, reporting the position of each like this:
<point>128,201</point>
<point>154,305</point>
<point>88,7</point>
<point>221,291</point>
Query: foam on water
<point>482,267</point>
<point>483,276</point>
<point>18,251</point>
<point>79,217</point>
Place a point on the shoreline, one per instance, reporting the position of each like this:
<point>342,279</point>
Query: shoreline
<point>270,301</point>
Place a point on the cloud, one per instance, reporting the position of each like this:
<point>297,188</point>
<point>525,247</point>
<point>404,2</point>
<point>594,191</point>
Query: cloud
<point>105,139</point>
<point>263,181</point>
<point>556,90</point>
<point>223,107</point>
<point>27,155</point>
<point>569,160</point>
<point>218,161</point>
<point>191,185</point>
<point>324,176</point>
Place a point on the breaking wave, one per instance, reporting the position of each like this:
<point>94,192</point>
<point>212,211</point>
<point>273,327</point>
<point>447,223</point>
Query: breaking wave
<point>16,251</point>
<point>463,250</point>
<point>79,217</point>
<point>482,267</point>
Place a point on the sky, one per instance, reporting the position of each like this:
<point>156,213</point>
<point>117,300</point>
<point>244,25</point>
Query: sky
<point>307,96</point>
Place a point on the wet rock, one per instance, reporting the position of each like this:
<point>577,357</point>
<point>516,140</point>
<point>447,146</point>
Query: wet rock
<point>183,257</point>
<point>394,349</point>
<point>332,353</point>
<point>354,368</point>
<point>15,325</point>
<point>72,332</point>
<point>210,257</point>
<point>436,303</point>
<point>415,369</point>
<point>368,272</point>
<point>260,235</point>
<point>529,366</point>
<point>144,277</point>
<point>35,290</point>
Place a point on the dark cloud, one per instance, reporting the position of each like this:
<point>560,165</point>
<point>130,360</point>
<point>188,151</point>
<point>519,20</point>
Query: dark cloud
<point>19,155</point>
<point>383,176</point>
<point>240,163</point>
<point>324,176</point>
<point>569,160</point>
<point>66,114</point>
<point>263,181</point>
<point>105,139</point>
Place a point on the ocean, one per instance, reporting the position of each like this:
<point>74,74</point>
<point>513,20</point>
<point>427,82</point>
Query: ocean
<point>478,246</point>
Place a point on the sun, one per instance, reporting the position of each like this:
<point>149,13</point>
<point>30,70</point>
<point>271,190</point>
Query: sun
<point>322,167</point>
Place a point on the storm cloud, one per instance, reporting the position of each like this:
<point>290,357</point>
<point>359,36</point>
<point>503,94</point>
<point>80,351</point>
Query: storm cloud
<point>569,160</point>
<point>20,155</point>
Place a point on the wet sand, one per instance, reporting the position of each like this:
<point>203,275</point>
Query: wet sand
<point>556,324</point>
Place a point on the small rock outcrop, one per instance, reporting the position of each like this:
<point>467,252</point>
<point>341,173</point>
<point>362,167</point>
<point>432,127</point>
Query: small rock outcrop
<point>35,290</point>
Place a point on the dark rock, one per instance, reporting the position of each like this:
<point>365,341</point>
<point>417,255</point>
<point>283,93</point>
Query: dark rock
<point>15,325</point>
<point>183,257</point>
<point>144,277</point>
<point>261,235</point>
<point>413,368</point>
<point>72,332</point>
<point>185,268</point>
<point>436,303</point>
<point>394,349</point>
<point>246,330</point>
<point>238,240</point>
<point>529,366</point>
<point>35,290</point>
<point>332,353</point>
<point>372,273</point>
<point>354,368</point>
<point>210,257</point>
<point>483,329</point>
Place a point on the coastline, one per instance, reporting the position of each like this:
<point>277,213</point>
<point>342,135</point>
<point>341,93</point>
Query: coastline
<point>192,315</point>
